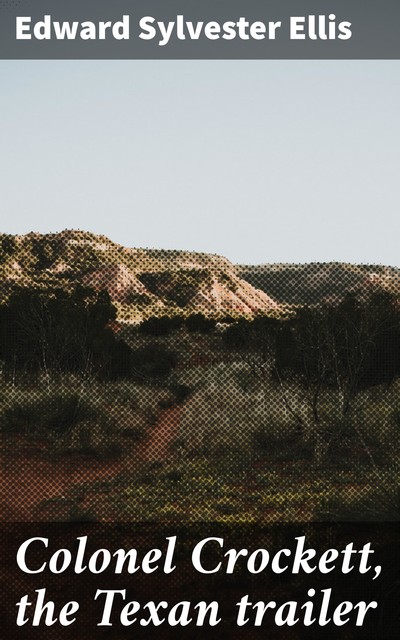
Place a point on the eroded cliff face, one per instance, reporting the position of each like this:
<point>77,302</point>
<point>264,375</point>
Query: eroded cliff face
<point>141,282</point>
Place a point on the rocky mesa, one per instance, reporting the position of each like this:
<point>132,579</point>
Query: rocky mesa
<point>141,282</point>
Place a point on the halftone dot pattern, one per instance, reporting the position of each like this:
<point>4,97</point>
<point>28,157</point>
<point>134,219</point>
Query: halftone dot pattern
<point>176,423</point>
<point>185,584</point>
<point>141,386</point>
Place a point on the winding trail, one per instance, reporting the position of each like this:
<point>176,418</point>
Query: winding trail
<point>158,443</point>
<point>28,478</point>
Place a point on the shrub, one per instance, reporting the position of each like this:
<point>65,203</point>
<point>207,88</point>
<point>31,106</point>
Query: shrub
<point>197,322</point>
<point>162,326</point>
<point>153,361</point>
<point>65,419</point>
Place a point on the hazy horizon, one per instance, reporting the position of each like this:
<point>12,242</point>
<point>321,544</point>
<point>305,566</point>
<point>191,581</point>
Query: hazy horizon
<point>258,161</point>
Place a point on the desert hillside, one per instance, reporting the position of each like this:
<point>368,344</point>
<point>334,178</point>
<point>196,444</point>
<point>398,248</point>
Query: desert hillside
<point>141,282</point>
<point>315,283</point>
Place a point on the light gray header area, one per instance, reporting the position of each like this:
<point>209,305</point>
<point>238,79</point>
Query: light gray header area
<point>179,29</point>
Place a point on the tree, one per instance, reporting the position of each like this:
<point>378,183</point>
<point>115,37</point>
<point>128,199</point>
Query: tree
<point>7,246</point>
<point>255,340</point>
<point>343,347</point>
<point>152,362</point>
<point>162,326</point>
<point>58,331</point>
<point>198,323</point>
<point>45,252</point>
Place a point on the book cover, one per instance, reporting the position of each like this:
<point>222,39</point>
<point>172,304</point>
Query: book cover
<point>199,319</point>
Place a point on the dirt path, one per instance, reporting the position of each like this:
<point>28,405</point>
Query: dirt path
<point>28,478</point>
<point>163,434</point>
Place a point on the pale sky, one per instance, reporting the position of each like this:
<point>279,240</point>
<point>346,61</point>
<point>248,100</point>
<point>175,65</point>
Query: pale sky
<point>261,161</point>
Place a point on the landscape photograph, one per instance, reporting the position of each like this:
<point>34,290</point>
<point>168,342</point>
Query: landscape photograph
<point>169,386</point>
<point>199,349</point>
<point>199,292</point>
